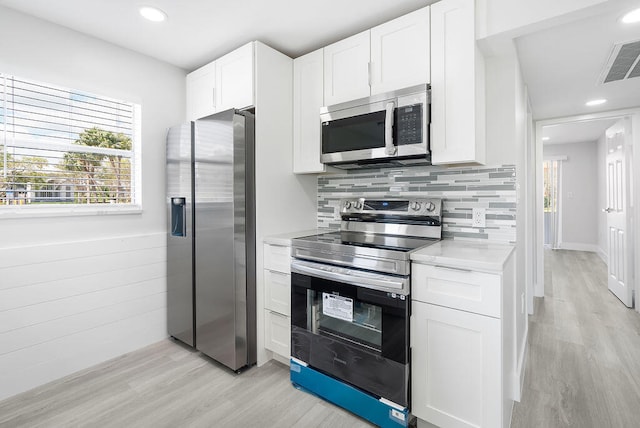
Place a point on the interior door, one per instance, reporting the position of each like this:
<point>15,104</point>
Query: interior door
<point>619,273</point>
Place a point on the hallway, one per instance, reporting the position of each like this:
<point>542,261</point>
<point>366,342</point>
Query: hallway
<point>583,367</point>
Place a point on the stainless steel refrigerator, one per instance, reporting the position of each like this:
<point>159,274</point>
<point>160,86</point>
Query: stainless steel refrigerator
<point>211,238</point>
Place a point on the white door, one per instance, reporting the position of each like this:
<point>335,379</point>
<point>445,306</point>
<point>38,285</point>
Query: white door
<point>234,79</point>
<point>308,98</point>
<point>400,52</point>
<point>456,376</point>
<point>346,69</point>
<point>618,191</point>
<point>201,99</point>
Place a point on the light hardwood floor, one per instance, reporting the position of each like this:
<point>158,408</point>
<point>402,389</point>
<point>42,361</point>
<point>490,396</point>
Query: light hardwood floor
<point>583,366</point>
<point>583,370</point>
<point>168,385</point>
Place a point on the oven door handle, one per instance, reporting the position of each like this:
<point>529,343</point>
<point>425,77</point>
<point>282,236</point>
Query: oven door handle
<point>351,276</point>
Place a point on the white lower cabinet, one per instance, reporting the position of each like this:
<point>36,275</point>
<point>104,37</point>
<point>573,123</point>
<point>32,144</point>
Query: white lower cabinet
<point>463,352</point>
<point>277,299</point>
<point>278,333</point>
<point>456,374</point>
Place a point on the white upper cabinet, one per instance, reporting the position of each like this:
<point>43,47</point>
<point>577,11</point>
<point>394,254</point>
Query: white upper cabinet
<point>346,69</point>
<point>222,84</point>
<point>400,52</point>
<point>234,79</point>
<point>308,97</point>
<point>457,85</point>
<point>201,97</point>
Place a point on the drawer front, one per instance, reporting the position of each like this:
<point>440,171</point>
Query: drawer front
<point>476,292</point>
<point>277,288</point>
<point>278,333</point>
<point>277,258</point>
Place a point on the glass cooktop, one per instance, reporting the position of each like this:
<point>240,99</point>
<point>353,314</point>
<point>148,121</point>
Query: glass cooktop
<point>359,239</point>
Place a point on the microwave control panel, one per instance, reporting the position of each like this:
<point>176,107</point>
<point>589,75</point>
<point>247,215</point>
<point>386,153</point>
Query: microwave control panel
<point>409,124</point>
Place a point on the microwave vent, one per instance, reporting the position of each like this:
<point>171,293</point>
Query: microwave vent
<point>623,63</point>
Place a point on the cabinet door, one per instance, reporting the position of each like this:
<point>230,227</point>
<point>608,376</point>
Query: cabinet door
<point>456,359</point>
<point>234,79</point>
<point>201,84</point>
<point>277,292</point>
<point>457,85</point>
<point>346,69</point>
<point>400,52</point>
<point>277,258</point>
<point>277,333</point>
<point>308,97</point>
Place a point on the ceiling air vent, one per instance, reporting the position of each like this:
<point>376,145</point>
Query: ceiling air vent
<point>623,63</point>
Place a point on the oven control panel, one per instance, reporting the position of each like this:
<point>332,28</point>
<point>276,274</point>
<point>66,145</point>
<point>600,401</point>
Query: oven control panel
<point>431,207</point>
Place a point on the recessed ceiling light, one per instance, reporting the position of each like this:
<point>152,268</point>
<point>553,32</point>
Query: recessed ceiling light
<point>545,138</point>
<point>152,13</point>
<point>595,102</point>
<point>632,17</point>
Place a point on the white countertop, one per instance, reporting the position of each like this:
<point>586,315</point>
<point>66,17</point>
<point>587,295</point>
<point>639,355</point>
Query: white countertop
<point>482,256</point>
<point>285,238</point>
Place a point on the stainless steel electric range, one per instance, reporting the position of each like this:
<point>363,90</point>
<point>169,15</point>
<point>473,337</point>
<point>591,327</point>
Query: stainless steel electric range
<point>350,305</point>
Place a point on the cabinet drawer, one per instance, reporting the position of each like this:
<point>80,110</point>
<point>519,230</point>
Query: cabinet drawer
<point>277,333</point>
<point>277,258</point>
<point>470,291</point>
<point>277,289</point>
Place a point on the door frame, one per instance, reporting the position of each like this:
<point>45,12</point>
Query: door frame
<point>634,114</point>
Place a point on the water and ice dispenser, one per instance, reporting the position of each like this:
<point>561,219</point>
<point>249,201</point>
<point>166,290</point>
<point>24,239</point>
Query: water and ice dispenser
<point>178,216</point>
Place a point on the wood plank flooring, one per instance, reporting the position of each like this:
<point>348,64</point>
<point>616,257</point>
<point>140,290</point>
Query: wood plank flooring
<point>168,385</point>
<point>583,366</point>
<point>583,370</point>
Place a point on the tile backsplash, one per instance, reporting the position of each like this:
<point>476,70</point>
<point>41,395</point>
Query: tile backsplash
<point>461,190</point>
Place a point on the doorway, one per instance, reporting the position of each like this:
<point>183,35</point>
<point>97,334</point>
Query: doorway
<point>571,124</point>
<point>552,176</point>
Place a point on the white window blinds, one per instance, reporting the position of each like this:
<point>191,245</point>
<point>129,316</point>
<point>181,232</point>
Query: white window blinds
<point>60,146</point>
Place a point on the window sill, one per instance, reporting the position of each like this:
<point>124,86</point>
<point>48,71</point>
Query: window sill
<point>11,212</point>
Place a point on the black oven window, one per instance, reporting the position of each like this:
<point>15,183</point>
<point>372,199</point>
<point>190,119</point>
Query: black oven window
<point>341,317</point>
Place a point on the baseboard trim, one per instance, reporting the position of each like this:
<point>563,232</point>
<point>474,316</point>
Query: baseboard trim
<point>603,255</point>
<point>578,246</point>
<point>518,377</point>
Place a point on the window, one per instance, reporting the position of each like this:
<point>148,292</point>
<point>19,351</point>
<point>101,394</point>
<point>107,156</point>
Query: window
<point>64,147</point>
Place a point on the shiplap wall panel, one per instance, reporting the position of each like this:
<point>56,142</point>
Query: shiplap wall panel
<point>17,276</point>
<point>27,255</point>
<point>100,309</point>
<point>68,306</point>
<point>54,291</point>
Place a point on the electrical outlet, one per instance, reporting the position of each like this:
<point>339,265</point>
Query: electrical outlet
<point>479,217</point>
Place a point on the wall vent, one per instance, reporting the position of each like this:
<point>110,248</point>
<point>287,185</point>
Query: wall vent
<point>623,63</point>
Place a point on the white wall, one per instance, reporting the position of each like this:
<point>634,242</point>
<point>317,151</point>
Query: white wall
<point>506,105</point>
<point>579,194</point>
<point>75,291</point>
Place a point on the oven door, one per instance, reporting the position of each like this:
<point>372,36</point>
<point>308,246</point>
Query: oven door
<point>358,133</point>
<point>355,334</point>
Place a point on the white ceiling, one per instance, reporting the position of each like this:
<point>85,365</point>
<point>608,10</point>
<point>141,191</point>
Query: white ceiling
<point>198,31</point>
<point>562,65</point>
<point>576,132</point>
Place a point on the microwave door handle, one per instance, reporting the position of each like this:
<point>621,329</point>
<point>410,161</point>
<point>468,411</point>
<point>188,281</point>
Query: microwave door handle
<point>389,147</point>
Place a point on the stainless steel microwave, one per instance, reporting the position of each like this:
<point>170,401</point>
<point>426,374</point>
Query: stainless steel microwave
<point>388,129</point>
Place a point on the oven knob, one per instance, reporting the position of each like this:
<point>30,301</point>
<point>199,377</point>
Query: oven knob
<point>357,205</point>
<point>430,206</point>
<point>416,206</point>
<point>347,205</point>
